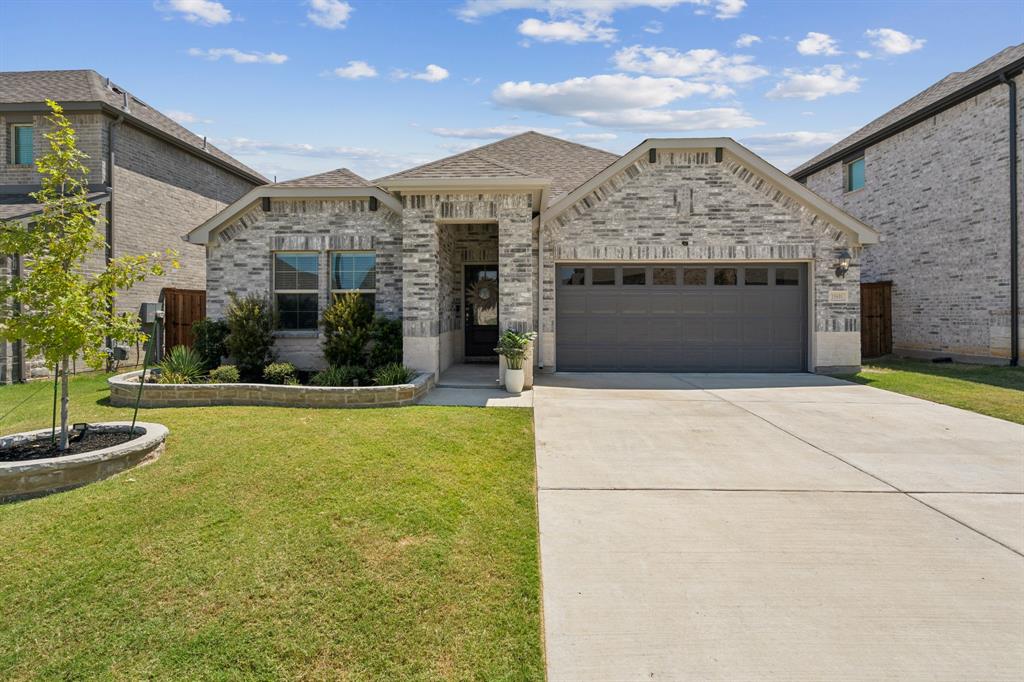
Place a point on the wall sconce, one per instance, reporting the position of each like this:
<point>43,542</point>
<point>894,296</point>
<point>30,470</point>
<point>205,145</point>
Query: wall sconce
<point>842,264</point>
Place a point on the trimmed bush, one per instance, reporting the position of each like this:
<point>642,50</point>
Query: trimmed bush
<point>385,342</point>
<point>393,374</point>
<point>225,374</point>
<point>346,326</point>
<point>181,365</point>
<point>210,336</point>
<point>250,342</point>
<point>344,375</point>
<point>280,373</point>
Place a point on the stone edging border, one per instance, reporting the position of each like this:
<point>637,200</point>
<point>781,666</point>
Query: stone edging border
<point>123,393</point>
<point>19,480</point>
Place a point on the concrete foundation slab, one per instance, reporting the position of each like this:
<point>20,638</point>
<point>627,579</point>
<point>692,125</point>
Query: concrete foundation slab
<point>1001,516</point>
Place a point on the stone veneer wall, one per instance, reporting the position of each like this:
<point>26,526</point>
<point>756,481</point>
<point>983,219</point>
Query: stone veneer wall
<point>239,258</point>
<point>426,217</point>
<point>939,194</point>
<point>688,207</point>
<point>460,244</point>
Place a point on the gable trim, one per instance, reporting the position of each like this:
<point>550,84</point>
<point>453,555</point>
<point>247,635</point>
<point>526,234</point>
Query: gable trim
<point>787,186</point>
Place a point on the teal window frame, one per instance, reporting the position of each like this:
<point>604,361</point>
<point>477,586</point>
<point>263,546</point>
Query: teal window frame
<point>22,152</point>
<point>854,174</point>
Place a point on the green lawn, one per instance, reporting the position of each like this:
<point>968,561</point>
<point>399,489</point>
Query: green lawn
<point>995,391</point>
<point>272,543</point>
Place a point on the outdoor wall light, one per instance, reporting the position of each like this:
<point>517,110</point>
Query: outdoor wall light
<point>842,263</point>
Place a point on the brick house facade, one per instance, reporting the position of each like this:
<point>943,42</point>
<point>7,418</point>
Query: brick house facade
<point>936,185</point>
<point>154,179</point>
<point>683,254</point>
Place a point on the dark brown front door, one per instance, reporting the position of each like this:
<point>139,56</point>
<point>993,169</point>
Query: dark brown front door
<point>481,294</point>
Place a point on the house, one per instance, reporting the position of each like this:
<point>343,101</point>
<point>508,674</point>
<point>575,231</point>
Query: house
<point>681,255</point>
<point>939,177</point>
<point>153,178</point>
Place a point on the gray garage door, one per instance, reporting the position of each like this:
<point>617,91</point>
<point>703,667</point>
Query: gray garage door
<point>682,318</point>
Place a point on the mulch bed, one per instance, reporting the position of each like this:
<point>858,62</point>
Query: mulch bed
<point>42,449</point>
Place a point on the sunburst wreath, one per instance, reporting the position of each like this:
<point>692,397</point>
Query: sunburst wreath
<point>483,293</point>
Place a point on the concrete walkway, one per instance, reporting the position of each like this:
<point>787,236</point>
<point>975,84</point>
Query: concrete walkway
<point>742,527</point>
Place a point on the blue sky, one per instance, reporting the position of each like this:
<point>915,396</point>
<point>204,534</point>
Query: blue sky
<point>294,88</point>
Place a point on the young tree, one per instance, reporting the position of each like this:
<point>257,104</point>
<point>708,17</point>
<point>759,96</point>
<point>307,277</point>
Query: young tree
<point>54,307</point>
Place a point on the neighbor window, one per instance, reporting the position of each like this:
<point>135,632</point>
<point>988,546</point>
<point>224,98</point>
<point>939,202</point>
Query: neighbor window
<point>634,276</point>
<point>21,144</point>
<point>855,174</point>
<point>571,276</point>
<point>296,290</point>
<point>725,276</point>
<point>354,272</point>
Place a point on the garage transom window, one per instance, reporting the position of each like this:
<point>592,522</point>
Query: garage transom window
<point>296,290</point>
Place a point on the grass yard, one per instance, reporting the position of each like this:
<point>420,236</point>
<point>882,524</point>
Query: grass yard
<point>272,543</point>
<point>995,391</point>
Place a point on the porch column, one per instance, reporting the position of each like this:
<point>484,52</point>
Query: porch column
<point>420,290</point>
<point>516,275</point>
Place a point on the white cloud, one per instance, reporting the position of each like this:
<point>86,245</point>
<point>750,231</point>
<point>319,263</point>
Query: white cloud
<point>237,56</point>
<point>594,137</point>
<point>432,74</point>
<point>863,54</point>
<point>891,41</point>
<point>789,149</point>
<point>818,43</point>
<point>698,64</point>
<point>566,31</point>
<point>206,12</point>
<point>354,70</point>
<point>814,84</point>
<point>621,101</point>
<point>185,117</point>
<point>747,39</point>
<point>330,14</point>
<point>491,133</point>
<point>654,27</point>
<point>474,10</point>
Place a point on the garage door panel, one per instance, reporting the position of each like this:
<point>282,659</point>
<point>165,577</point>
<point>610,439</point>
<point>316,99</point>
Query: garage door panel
<point>715,328</point>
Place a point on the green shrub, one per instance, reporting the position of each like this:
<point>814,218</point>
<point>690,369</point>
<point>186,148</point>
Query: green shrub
<point>181,365</point>
<point>280,373</point>
<point>513,346</point>
<point>225,374</point>
<point>210,336</point>
<point>344,375</point>
<point>385,342</point>
<point>250,341</point>
<point>392,374</point>
<point>347,331</point>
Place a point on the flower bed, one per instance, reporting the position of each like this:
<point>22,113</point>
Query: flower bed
<point>34,477</point>
<point>124,389</point>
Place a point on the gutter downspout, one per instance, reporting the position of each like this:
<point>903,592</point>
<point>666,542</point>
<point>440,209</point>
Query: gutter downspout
<point>109,255</point>
<point>1014,209</point>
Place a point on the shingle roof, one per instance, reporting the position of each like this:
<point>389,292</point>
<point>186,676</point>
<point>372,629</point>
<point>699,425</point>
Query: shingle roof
<point>21,205</point>
<point>87,86</point>
<point>947,87</point>
<point>528,155</point>
<point>340,177</point>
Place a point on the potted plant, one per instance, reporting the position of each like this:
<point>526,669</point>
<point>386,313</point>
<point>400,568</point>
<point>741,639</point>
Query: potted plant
<point>513,346</point>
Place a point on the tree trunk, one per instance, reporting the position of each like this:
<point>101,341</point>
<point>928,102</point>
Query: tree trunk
<point>64,404</point>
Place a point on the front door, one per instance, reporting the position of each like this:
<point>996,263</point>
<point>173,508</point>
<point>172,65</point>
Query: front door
<point>481,304</point>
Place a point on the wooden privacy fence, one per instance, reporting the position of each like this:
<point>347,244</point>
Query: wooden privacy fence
<point>875,319</point>
<point>182,307</point>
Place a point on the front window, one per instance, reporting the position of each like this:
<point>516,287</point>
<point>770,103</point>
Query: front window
<point>855,174</point>
<point>296,290</point>
<point>21,144</point>
<point>354,272</point>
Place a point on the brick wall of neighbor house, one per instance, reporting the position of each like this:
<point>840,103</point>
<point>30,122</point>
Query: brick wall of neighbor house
<point>938,193</point>
<point>91,137</point>
<point>239,258</point>
<point>687,207</point>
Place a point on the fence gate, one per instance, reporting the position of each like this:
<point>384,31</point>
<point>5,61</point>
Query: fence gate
<point>182,307</point>
<point>875,319</point>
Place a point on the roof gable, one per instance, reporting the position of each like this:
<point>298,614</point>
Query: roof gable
<point>950,89</point>
<point>339,177</point>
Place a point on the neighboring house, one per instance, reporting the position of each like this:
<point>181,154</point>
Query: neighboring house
<point>934,177</point>
<point>681,255</point>
<point>153,178</point>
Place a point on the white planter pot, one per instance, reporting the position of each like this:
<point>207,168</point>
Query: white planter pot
<point>514,380</point>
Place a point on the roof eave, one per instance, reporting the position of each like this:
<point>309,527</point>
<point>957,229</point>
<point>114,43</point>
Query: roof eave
<point>202,233</point>
<point>430,184</point>
<point>24,217</point>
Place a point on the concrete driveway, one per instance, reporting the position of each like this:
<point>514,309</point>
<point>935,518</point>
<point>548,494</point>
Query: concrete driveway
<point>742,527</point>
